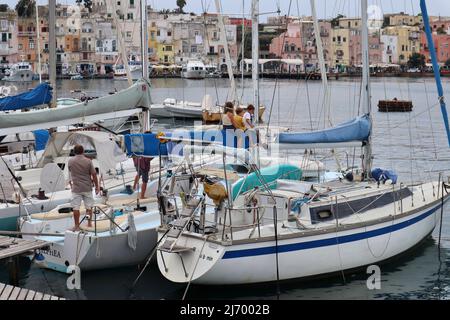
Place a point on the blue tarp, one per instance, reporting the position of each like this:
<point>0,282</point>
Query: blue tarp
<point>147,144</point>
<point>42,94</point>
<point>356,130</point>
<point>382,175</point>
<point>40,139</point>
<point>144,144</point>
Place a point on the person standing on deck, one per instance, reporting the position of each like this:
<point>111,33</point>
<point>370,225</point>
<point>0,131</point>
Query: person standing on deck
<point>82,176</point>
<point>142,165</point>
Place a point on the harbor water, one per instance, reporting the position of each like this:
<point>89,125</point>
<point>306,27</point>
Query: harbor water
<point>412,144</point>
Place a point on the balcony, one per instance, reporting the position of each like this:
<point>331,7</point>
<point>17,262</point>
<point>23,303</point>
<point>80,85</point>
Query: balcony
<point>324,34</point>
<point>26,33</point>
<point>389,51</point>
<point>212,53</point>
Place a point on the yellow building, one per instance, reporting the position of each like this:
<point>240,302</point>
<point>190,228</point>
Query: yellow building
<point>165,53</point>
<point>408,41</point>
<point>152,41</point>
<point>402,19</point>
<point>340,47</point>
<point>350,23</point>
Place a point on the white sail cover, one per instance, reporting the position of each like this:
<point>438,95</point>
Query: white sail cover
<point>120,104</point>
<point>108,152</point>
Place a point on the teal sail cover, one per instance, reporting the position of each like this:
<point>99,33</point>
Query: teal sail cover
<point>42,94</point>
<point>357,129</point>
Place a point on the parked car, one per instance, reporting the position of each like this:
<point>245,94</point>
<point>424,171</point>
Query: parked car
<point>413,70</point>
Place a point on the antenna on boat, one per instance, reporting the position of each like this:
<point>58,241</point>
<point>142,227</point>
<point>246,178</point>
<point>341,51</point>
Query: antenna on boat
<point>436,70</point>
<point>366,95</point>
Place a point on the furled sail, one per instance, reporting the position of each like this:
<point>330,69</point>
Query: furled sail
<point>354,132</point>
<point>120,104</point>
<point>40,95</point>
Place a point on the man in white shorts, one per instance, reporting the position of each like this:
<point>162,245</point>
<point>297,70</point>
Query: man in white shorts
<point>82,176</point>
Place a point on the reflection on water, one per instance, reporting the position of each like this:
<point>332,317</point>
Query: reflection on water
<point>397,137</point>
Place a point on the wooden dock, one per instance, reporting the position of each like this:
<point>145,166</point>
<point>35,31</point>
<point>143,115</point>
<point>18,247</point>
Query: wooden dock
<point>8,292</point>
<point>10,247</point>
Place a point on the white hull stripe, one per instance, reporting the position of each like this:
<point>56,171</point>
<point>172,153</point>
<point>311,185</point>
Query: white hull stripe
<point>327,242</point>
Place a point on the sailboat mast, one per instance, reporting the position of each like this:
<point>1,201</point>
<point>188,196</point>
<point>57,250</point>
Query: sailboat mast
<point>144,62</point>
<point>320,56</point>
<point>223,37</point>
<point>38,37</point>
<point>437,76</point>
<point>144,43</point>
<point>255,56</point>
<point>366,96</point>
<point>52,48</point>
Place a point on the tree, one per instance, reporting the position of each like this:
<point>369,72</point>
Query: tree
<point>416,60</point>
<point>87,4</point>
<point>25,8</point>
<point>180,5</point>
<point>335,21</point>
<point>4,7</point>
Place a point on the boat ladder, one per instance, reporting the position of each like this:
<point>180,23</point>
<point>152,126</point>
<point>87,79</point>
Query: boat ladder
<point>177,227</point>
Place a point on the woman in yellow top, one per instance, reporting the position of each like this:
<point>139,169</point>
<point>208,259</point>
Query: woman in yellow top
<point>240,126</point>
<point>239,119</point>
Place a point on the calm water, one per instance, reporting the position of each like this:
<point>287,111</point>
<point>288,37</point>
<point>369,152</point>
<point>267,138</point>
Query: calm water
<point>414,144</point>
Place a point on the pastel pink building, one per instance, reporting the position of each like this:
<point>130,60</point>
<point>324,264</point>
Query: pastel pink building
<point>355,50</point>
<point>287,45</point>
<point>441,44</point>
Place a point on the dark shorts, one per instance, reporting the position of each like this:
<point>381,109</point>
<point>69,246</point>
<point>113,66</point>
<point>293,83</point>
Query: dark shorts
<point>144,175</point>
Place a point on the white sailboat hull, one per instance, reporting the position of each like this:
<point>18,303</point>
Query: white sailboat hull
<point>90,251</point>
<point>299,257</point>
<point>20,76</point>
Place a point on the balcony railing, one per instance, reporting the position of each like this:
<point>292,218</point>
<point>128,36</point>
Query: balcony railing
<point>26,33</point>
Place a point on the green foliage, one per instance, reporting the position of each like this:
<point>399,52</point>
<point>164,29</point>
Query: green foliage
<point>4,7</point>
<point>180,5</point>
<point>25,8</point>
<point>416,60</point>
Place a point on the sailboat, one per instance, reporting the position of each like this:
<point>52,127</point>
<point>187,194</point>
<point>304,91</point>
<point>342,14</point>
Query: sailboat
<point>284,228</point>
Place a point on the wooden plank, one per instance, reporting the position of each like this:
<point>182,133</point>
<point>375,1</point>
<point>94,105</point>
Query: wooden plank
<point>38,296</point>
<point>6,292</point>
<point>54,298</point>
<point>46,297</point>
<point>14,294</point>
<point>30,295</point>
<point>22,294</point>
<point>25,247</point>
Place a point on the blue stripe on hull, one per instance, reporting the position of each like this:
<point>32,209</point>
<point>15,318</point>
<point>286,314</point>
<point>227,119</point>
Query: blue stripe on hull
<point>327,242</point>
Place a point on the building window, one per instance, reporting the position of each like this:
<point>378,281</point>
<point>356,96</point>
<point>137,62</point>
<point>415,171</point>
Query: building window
<point>4,37</point>
<point>118,3</point>
<point>158,33</point>
<point>168,48</point>
<point>130,16</point>
<point>131,3</point>
<point>169,33</point>
<point>344,39</point>
<point>20,46</point>
<point>31,43</point>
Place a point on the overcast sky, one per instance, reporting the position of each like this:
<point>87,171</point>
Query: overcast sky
<point>325,8</point>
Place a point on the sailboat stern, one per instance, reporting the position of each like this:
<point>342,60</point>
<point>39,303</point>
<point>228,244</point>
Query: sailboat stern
<point>190,259</point>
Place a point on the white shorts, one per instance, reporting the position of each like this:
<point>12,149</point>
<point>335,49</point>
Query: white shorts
<point>86,197</point>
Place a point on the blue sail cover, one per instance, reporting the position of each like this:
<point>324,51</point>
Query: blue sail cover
<point>147,144</point>
<point>42,94</point>
<point>356,130</point>
<point>40,139</point>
